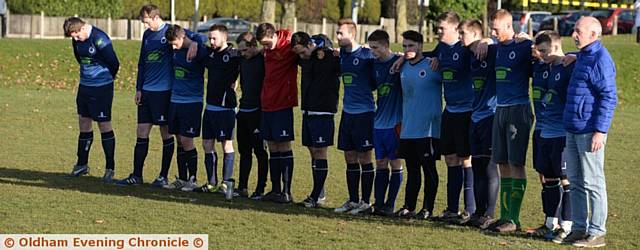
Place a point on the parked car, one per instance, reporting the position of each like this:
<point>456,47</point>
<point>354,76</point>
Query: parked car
<point>235,26</point>
<point>566,21</point>
<point>521,20</point>
<point>626,19</point>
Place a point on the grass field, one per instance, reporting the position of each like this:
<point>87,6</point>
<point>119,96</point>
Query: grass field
<point>38,129</point>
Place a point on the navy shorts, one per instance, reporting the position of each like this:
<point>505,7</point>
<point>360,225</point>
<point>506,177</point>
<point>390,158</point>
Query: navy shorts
<point>95,102</point>
<point>480,137</point>
<point>419,147</point>
<point>386,142</point>
<point>356,132</point>
<point>510,134</point>
<point>550,162</point>
<point>454,138</point>
<point>535,146</point>
<point>218,125</point>
<point>277,125</point>
<point>154,107</point>
<point>317,130</point>
<point>185,119</point>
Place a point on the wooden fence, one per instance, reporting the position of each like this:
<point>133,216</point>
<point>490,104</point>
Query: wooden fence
<point>47,27</point>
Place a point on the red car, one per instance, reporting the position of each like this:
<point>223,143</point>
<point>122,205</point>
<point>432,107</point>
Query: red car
<point>626,20</point>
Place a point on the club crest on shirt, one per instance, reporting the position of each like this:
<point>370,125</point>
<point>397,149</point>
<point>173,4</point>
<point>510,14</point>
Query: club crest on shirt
<point>557,77</point>
<point>456,56</point>
<point>356,61</point>
<point>483,64</point>
<point>512,55</point>
<point>225,58</point>
<point>92,50</point>
<point>545,75</point>
<point>422,73</point>
<point>320,54</point>
<point>163,40</point>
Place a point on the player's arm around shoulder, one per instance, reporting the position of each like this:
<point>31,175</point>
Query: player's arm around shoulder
<point>105,47</point>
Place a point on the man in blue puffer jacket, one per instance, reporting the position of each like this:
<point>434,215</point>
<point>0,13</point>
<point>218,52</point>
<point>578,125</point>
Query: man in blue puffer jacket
<point>591,100</point>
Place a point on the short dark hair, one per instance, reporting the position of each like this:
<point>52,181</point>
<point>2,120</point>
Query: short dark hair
<point>301,38</point>
<point>248,38</point>
<point>174,32</point>
<point>474,25</point>
<point>72,24</point>
<point>219,27</point>
<point>547,36</point>
<point>413,36</point>
<point>379,36</point>
<point>149,10</point>
<point>264,30</point>
<point>353,27</point>
<point>449,17</point>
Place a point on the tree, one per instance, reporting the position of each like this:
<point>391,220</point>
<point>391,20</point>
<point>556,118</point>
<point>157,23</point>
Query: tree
<point>289,13</point>
<point>465,9</point>
<point>388,8</point>
<point>268,11</point>
<point>401,18</point>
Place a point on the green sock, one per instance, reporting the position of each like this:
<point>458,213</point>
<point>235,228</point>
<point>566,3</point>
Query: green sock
<point>505,197</point>
<point>517,195</point>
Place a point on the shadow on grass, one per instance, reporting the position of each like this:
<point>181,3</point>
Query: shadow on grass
<point>94,185</point>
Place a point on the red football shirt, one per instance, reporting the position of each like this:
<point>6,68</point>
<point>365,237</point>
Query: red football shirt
<point>280,87</point>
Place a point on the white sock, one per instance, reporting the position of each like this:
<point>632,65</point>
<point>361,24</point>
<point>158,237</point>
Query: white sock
<point>551,223</point>
<point>566,226</point>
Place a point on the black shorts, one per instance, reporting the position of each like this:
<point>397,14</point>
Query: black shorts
<point>455,133</point>
<point>480,137</point>
<point>154,107</point>
<point>550,162</point>
<point>317,130</point>
<point>218,125</point>
<point>510,134</point>
<point>277,125</point>
<point>421,147</point>
<point>356,132</point>
<point>248,131</point>
<point>95,102</point>
<point>185,119</point>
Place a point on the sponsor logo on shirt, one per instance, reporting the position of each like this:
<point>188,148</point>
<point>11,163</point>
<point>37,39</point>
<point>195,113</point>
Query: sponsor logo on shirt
<point>384,89</point>
<point>501,73</point>
<point>478,83</point>
<point>180,72</point>
<point>154,56</point>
